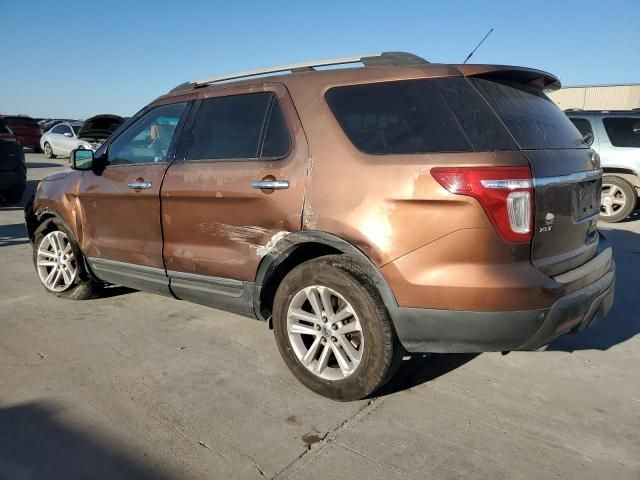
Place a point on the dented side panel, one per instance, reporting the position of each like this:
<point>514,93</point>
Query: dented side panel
<point>215,223</point>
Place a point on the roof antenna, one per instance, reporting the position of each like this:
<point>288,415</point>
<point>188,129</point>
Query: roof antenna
<point>477,46</point>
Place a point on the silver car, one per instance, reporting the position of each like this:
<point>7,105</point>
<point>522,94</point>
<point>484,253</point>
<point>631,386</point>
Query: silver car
<point>62,139</point>
<point>615,135</point>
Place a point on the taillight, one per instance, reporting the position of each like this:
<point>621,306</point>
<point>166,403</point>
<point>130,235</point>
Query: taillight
<point>505,193</point>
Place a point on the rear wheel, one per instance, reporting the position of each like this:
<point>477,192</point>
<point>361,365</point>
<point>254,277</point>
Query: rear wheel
<point>48,151</point>
<point>333,330</point>
<point>619,199</point>
<point>60,264</point>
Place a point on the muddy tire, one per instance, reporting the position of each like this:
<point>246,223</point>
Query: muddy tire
<point>619,199</point>
<point>60,264</point>
<point>333,330</point>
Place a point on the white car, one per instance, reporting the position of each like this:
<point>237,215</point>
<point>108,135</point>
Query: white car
<point>62,139</point>
<point>68,136</point>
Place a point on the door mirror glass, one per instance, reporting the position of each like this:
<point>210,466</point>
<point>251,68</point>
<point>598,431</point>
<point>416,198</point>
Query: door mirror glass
<point>81,159</point>
<point>68,134</point>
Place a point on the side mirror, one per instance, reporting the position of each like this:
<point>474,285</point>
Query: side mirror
<point>587,138</point>
<point>82,159</point>
<point>68,134</point>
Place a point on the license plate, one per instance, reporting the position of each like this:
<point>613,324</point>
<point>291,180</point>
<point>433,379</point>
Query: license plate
<point>586,200</point>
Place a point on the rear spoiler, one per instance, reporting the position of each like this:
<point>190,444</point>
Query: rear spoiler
<point>527,76</point>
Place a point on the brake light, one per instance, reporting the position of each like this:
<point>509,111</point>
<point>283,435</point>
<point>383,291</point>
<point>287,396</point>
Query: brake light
<point>505,193</point>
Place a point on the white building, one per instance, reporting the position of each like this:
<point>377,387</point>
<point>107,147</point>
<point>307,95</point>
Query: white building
<point>598,97</point>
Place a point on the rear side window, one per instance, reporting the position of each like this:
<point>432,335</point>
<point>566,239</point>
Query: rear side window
<point>583,125</point>
<point>532,118</point>
<point>623,131</point>
<point>238,127</point>
<point>397,118</point>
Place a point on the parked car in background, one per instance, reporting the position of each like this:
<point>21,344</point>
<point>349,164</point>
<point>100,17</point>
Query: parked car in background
<point>615,135</point>
<point>358,211</point>
<point>62,139</point>
<point>13,170</point>
<point>26,130</point>
<point>97,129</point>
<point>67,136</point>
<point>49,123</point>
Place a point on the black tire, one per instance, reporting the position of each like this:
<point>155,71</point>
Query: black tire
<point>382,351</point>
<point>84,286</point>
<point>48,151</point>
<point>624,192</point>
<point>14,195</point>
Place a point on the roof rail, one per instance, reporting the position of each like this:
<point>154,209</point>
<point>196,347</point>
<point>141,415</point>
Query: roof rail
<point>372,60</point>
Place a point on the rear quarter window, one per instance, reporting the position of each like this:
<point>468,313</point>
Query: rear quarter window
<point>623,131</point>
<point>417,116</point>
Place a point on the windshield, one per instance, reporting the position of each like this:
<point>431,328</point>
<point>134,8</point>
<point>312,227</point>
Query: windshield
<point>535,122</point>
<point>76,128</point>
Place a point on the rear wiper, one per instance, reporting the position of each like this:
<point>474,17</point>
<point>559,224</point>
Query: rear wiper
<point>587,138</point>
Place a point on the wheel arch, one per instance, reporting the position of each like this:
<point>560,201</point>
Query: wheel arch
<point>625,173</point>
<point>298,247</point>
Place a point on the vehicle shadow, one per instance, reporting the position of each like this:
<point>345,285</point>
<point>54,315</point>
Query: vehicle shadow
<point>623,322</point>
<point>43,165</point>
<point>14,234</point>
<point>422,368</point>
<point>35,443</point>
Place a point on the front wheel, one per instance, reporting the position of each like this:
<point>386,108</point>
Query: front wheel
<point>60,264</point>
<point>48,151</point>
<point>619,199</point>
<point>333,330</point>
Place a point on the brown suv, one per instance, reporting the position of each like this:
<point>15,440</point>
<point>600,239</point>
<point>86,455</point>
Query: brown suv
<point>359,211</point>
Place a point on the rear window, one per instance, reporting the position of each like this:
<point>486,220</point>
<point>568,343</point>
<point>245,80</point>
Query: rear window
<point>417,116</point>
<point>623,131</point>
<point>532,118</point>
<point>583,126</point>
<point>21,122</point>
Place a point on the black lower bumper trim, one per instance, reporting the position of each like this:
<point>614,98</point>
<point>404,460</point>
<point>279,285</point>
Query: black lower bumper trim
<point>448,331</point>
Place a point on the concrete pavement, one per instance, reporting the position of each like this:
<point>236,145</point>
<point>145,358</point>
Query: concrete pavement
<point>134,385</point>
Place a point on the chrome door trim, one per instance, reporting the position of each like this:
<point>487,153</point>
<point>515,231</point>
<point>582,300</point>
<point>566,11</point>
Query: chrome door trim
<point>270,184</point>
<point>139,185</point>
<point>568,179</point>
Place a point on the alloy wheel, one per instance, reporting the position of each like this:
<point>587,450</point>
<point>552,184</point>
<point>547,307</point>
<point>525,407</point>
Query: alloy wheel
<point>613,200</point>
<point>325,332</point>
<point>56,264</point>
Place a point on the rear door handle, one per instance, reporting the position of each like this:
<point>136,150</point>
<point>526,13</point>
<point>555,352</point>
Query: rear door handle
<point>139,185</point>
<point>270,184</point>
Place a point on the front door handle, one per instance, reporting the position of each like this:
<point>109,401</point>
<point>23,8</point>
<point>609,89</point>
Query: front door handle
<point>270,184</point>
<point>139,185</point>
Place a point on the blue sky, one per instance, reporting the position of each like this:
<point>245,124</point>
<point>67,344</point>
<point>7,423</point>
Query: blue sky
<point>76,59</point>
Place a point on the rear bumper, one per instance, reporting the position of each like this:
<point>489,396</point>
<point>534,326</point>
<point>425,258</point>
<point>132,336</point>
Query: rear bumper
<point>426,330</point>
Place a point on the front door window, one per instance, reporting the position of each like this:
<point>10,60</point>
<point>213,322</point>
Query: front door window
<point>148,140</point>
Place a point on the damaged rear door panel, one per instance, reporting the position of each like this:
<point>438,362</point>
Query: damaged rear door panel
<point>217,221</point>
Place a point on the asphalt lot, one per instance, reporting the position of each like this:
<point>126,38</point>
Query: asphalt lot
<point>140,386</point>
